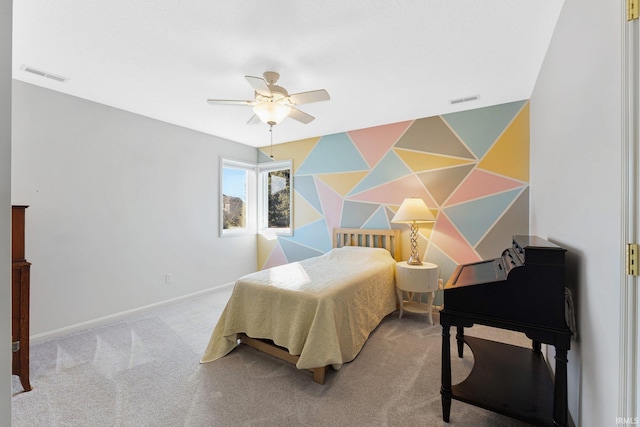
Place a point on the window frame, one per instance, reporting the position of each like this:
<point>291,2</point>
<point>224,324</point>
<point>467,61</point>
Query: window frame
<point>250,209</point>
<point>263,200</point>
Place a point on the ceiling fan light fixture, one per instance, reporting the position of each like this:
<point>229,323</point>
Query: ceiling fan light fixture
<point>272,103</point>
<point>271,113</point>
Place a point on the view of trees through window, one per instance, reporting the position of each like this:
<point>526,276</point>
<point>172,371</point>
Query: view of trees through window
<point>279,199</point>
<point>234,196</point>
<point>233,212</point>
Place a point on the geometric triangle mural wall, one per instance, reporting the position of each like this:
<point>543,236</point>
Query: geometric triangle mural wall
<point>509,154</point>
<point>432,135</point>
<point>395,191</point>
<point>333,154</point>
<point>388,169</point>
<point>481,127</point>
<point>375,142</point>
<point>485,212</point>
<point>471,168</point>
<point>480,183</point>
<point>421,162</point>
<point>442,183</point>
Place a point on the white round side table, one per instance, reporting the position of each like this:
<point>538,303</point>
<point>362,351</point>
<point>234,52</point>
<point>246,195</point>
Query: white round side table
<point>415,280</point>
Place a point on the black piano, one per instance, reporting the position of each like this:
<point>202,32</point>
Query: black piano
<point>523,290</point>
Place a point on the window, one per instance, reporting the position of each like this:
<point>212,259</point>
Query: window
<point>237,196</point>
<point>275,197</point>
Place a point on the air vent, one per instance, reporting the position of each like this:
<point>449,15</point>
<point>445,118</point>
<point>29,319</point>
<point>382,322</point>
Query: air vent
<point>44,74</point>
<point>465,99</point>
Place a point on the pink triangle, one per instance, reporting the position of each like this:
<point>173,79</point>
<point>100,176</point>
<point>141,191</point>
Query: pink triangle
<point>479,184</point>
<point>394,192</point>
<point>446,237</point>
<point>276,258</point>
<point>331,203</point>
<point>373,143</point>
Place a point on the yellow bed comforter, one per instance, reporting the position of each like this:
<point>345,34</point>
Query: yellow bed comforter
<point>322,309</point>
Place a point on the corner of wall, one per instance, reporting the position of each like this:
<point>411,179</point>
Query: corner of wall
<point>5,209</point>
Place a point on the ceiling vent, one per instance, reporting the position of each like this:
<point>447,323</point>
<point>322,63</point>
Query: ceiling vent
<point>465,99</point>
<point>44,74</point>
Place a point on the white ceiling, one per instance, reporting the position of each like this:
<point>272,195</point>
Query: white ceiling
<point>382,61</point>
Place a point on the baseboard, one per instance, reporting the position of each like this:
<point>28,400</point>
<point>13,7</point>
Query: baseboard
<point>68,330</point>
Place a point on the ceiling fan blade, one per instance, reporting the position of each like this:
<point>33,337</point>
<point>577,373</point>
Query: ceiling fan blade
<point>309,97</point>
<point>301,116</point>
<point>254,120</point>
<point>259,85</point>
<point>229,102</point>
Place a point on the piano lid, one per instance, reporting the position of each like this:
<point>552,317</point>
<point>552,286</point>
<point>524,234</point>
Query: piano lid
<point>478,273</point>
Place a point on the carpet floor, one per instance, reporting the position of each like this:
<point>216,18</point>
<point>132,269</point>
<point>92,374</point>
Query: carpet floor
<point>145,371</point>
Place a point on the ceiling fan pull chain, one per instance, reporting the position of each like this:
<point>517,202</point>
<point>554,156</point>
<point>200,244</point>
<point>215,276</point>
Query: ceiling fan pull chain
<point>271,134</point>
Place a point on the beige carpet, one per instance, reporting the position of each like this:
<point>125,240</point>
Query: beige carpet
<point>145,371</point>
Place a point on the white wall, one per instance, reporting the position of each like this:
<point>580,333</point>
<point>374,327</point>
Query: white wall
<point>5,211</point>
<point>576,190</point>
<point>117,201</point>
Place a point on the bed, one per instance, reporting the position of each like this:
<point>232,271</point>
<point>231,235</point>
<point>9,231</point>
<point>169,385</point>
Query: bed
<point>316,313</point>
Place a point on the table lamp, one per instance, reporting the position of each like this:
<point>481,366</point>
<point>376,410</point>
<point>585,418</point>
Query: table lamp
<point>413,210</point>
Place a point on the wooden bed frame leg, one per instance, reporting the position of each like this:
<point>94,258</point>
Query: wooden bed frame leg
<point>281,353</point>
<point>319,374</point>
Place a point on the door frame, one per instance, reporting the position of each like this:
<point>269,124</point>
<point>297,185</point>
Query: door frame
<point>628,403</point>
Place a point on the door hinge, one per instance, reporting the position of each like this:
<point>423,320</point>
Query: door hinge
<point>15,346</point>
<point>632,259</point>
<point>632,10</point>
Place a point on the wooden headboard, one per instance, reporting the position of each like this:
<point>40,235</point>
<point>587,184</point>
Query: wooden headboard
<point>371,238</point>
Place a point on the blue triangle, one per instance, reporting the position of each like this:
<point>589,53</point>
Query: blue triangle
<point>306,186</point>
<point>294,252</point>
<point>391,167</point>
<point>474,219</point>
<point>355,214</point>
<point>378,220</point>
<point>314,235</point>
<point>333,154</point>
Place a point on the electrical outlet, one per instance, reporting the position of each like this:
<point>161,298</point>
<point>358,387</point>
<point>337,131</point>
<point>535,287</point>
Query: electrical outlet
<point>168,278</point>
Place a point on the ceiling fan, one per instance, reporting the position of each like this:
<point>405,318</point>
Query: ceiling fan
<point>272,103</point>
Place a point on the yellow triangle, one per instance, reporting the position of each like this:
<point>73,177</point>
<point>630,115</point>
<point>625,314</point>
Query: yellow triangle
<point>342,183</point>
<point>426,230</point>
<point>419,162</point>
<point>295,150</point>
<point>265,247</point>
<point>303,212</point>
<point>509,156</point>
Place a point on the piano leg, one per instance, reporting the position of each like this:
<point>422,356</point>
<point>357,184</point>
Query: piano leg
<point>560,404</point>
<point>460,340</point>
<point>445,389</point>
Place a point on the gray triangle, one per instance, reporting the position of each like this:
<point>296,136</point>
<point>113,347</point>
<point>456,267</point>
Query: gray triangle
<point>432,135</point>
<point>441,183</point>
<point>513,221</point>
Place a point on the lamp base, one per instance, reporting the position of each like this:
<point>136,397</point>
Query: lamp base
<point>414,260</point>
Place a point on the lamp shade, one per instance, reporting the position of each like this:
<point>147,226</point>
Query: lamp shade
<point>271,113</point>
<point>413,210</point>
